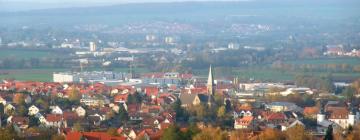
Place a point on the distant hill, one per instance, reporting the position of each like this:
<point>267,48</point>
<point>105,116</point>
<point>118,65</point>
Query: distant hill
<point>183,11</point>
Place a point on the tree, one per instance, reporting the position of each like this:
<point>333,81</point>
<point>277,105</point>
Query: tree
<point>8,133</point>
<point>349,93</point>
<point>191,132</point>
<point>181,113</point>
<point>270,134</point>
<point>172,133</point>
<point>221,112</point>
<point>22,110</point>
<point>33,121</point>
<point>57,137</point>
<point>112,131</point>
<point>123,114</point>
<point>297,132</point>
<point>228,106</point>
<point>211,133</point>
<point>74,94</point>
<point>329,133</point>
<point>19,99</point>
<point>78,127</point>
<point>238,135</point>
<point>2,111</point>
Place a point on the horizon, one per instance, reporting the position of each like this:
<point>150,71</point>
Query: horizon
<point>28,5</point>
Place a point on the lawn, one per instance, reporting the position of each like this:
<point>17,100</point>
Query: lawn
<point>44,75</point>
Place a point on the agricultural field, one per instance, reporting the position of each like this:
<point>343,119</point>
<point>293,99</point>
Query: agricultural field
<point>21,54</point>
<point>44,75</point>
<point>320,61</point>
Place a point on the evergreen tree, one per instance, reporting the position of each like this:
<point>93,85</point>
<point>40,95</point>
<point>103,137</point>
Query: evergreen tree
<point>329,133</point>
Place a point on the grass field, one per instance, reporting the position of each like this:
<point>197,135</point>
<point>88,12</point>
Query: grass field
<point>44,75</point>
<point>21,54</point>
<point>350,61</point>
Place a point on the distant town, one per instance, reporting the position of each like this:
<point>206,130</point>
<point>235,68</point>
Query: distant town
<point>194,70</point>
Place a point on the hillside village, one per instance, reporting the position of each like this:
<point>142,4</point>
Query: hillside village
<point>144,110</point>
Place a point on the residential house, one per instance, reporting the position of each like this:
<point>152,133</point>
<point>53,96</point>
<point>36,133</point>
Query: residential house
<point>193,99</point>
<point>92,136</point>
<point>9,109</point>
<point>80,111</point>
<point>2,101</point>
<point>244,122</point>
<point>21,122</point>
<point>33,110</point>
<point>291,124</point>
<point>56,110</point>
<point>310,112</point>
<point>54,120</point>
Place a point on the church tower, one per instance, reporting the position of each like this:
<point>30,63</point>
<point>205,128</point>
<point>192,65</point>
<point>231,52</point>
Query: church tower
<point>210,86</point>
<point>210,83</point>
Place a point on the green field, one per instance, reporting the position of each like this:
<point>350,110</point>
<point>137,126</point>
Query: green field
<point>349,61</point>
<point>44,75</point>
<point>21,54</point>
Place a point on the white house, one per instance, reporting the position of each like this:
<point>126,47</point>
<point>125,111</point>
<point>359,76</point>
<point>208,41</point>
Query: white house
<point>41,118</point>
<point>9,108</point>
<point>2,101</point>
<point>80,111</point>
<point>243,123</point>
<point>33,110</point>
<point>56,110</point>
<point>284,127</point>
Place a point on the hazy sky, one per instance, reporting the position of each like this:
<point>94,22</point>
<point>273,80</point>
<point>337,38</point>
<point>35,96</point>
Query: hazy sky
<point>18,5</point>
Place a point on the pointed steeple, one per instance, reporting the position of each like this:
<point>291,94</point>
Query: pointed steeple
<point>210,87</point>
<point>210,83</point>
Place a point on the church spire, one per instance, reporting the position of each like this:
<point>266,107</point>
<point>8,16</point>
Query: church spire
<point>210,83</point>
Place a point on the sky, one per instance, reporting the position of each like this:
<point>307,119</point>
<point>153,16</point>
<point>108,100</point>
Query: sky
<point>21,5</point>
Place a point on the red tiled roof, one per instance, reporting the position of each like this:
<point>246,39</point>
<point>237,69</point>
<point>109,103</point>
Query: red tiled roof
<point>53,118</point>
<point>120,97</point>
<point>70,116</point>
<point>245,120</point>
<point>154,75</point>
<point>151,91</point>
<point>19,120</point>
<point>92,136</point>
<point>186,76</point>
<point>311,110</point>
<point>274,116</point>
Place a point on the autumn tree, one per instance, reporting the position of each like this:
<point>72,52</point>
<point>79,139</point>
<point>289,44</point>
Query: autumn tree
<point>19,99</point>
<point>8,133</point>
<point>270,134</point>
<point>238,135</point>
<point>172,133</point>
<point>221,112</point>
<point>74,94</point>
<point>57,137</point>
<point>78,127</point>
<point>211,133</point>
<point>297,132</point>
<point>112,131</point>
